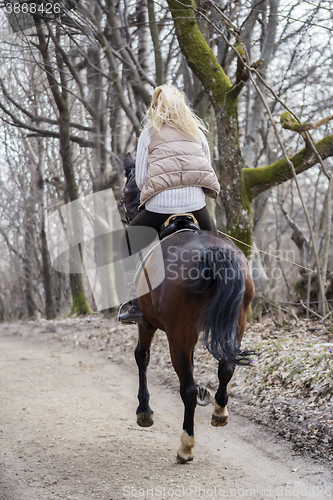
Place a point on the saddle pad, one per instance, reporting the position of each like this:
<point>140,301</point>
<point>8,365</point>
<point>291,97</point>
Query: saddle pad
<point>144,254</point>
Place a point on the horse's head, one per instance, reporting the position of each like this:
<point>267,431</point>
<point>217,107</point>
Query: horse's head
<point>130,199</point>
<point>129,166</point>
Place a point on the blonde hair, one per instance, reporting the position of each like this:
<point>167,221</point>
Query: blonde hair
<point>168,105</point>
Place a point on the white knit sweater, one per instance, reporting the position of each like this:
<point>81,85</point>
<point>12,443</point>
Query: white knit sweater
<point>171,201</point>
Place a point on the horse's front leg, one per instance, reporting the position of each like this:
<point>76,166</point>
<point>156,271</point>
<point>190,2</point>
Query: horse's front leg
<point>220,413</point>
<point>144,413</point>
<point>182,363</point>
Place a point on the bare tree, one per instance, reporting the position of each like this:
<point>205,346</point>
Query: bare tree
<point>96,67</point>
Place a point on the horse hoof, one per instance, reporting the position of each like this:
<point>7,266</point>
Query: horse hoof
<point>203,396</point>
<point>219,421</point>
<point>183,459</point>
<point>220,416</point>
<point>185,452</point>
<point>145,419</point>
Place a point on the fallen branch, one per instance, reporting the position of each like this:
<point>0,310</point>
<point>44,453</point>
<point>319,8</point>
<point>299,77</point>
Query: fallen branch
<point>311,311</point>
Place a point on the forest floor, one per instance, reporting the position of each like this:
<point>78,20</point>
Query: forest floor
<point>287,391</point>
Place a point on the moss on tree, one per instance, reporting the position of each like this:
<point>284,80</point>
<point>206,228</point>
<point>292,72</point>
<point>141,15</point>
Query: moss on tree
<point>239,185</point>
<point>288,122</point>
<point>80,304</point>
<point>257,180</point>
<point>199,55</point>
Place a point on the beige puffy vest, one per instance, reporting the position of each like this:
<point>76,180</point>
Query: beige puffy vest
<point>177,160</point>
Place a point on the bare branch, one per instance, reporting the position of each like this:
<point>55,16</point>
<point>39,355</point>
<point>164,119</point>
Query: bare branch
<point>37,118</point>
<point>83,143</point>
<point>73,73</point>
<point>37,132</point>
<point>13,249</point>
<point>300,194</point>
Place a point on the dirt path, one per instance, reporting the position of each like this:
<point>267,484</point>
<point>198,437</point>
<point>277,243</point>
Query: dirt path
<point>68,431</point>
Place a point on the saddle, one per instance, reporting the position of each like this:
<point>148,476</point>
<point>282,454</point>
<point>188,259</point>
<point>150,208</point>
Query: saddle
<point>178,222</point>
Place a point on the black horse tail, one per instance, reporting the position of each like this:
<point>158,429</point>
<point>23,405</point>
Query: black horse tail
<point>221,277</point>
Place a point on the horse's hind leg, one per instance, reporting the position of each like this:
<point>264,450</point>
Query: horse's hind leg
<point>203,395</point>
<point>182,363</point>
<point>220,413</point>
<point>227,368</point>
<point>142,354</point>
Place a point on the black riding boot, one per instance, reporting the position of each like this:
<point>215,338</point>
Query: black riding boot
<point>134,314</point>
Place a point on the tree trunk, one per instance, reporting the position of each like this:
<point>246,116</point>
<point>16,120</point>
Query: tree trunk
<point>29,289</point>
<point>159,71</point>
<point>80,304</point>
<point>251,146</point>
<point>50,304</point>
<point>142,33</point>
<point>103,245</point>
<point>3,312</point>
<point>234,201</point>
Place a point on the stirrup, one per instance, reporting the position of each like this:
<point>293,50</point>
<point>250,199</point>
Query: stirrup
<point>133,317</point>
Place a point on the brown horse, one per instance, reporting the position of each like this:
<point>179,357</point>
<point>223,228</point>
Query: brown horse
<point>207,287</point>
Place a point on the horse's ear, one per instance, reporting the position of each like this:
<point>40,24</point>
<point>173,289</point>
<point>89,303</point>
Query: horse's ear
<point>129,164</point>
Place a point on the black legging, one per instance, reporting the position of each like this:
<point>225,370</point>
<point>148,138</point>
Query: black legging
<point>155,220</point>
